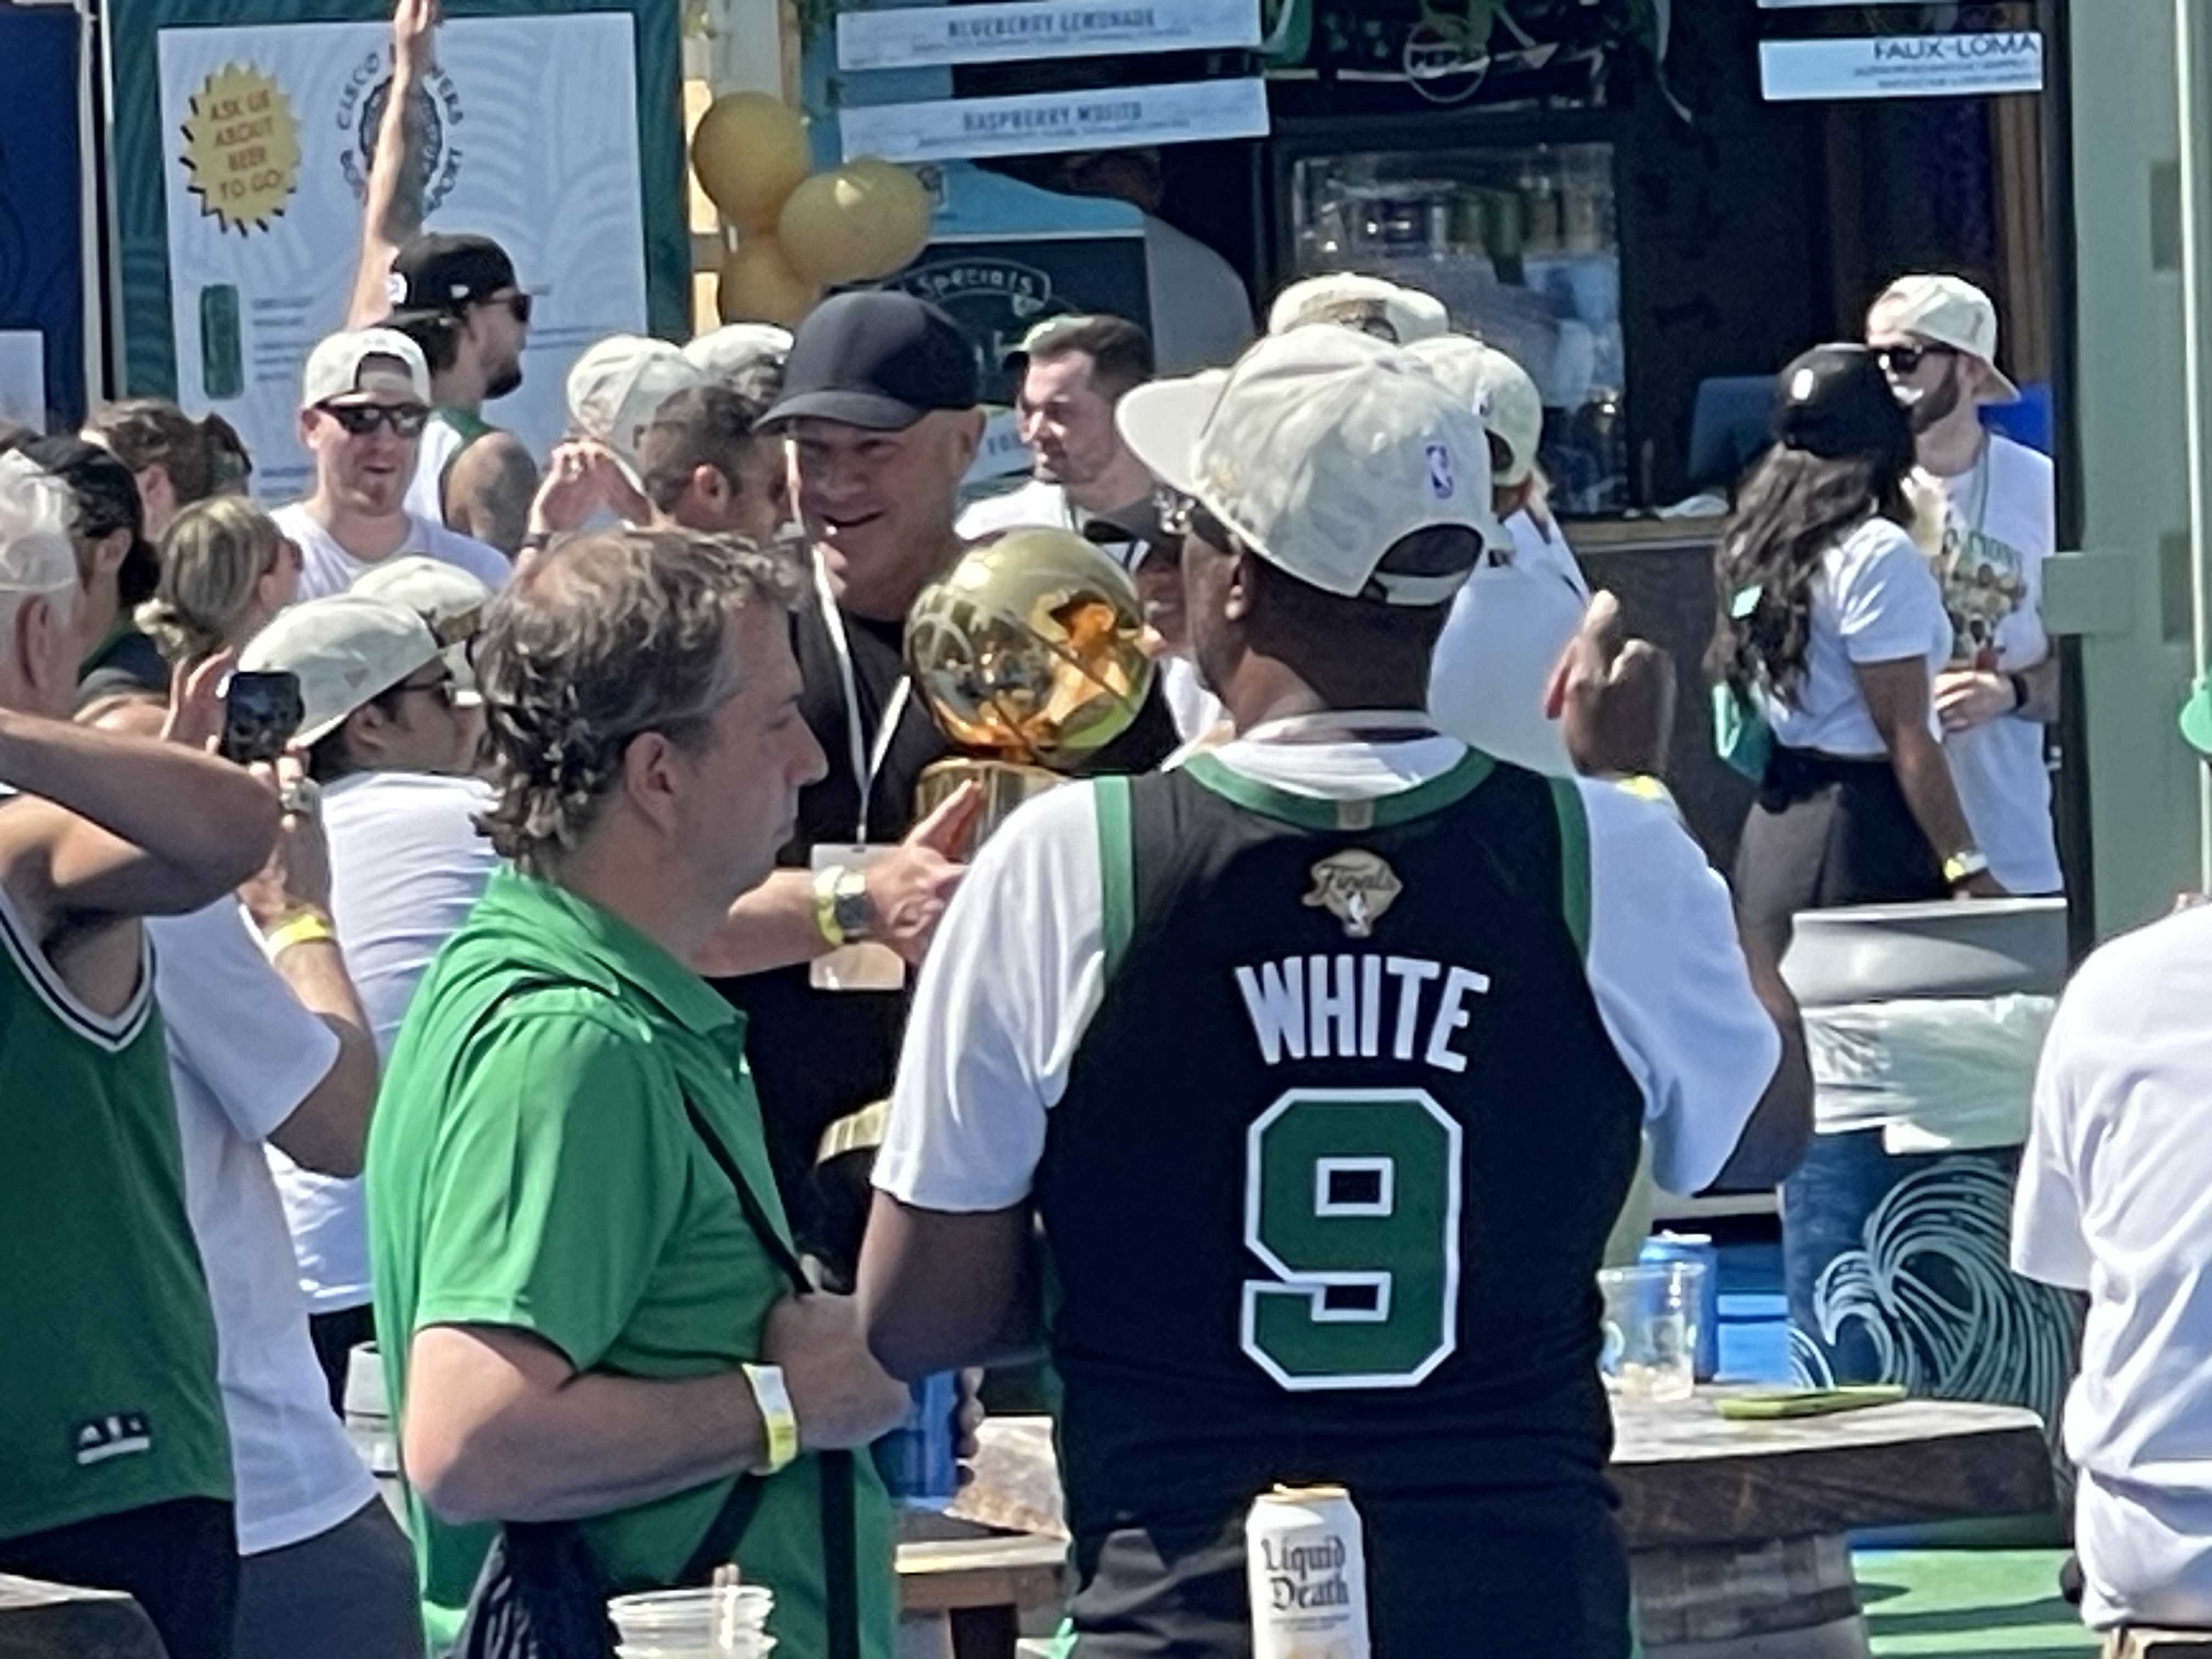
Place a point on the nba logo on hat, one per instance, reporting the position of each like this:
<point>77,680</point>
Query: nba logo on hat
<point>1440,472</point>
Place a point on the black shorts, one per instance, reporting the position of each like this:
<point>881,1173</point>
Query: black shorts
<point>179,1559</point>
<point>1537,1577</point>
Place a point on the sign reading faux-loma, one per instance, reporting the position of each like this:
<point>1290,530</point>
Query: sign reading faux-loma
<point>914,37</point>
<point>1902,66</point>
<point>1114,117</point>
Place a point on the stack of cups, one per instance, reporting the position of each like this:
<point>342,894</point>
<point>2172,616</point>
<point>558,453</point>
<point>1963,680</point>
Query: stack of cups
<point>719,1623</point>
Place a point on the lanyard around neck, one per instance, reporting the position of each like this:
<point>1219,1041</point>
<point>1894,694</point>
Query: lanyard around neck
<point>867,757</point>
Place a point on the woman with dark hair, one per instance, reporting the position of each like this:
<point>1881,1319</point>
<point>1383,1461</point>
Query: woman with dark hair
<point>1831,629</point>
<point>174,460</point>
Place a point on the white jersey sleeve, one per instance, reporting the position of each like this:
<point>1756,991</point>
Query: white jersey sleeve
<point>1672,986</point>
<point>1011,979</point>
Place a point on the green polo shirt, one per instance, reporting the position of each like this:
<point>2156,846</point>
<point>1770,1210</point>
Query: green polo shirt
<point>532,1164</point>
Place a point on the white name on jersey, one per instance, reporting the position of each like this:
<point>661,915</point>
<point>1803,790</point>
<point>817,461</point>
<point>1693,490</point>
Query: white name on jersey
<point>1320,1006</point>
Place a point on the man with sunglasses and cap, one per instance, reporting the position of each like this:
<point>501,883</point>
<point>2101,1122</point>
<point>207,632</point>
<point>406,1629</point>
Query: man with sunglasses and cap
<point>458,298</point>
<point>390,749</point>
<point>1937,338</point>
<point>364,400</point>
<point>1419,1005</point>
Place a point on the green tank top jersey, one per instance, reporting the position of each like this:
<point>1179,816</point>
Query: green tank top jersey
<point>107,1340</point>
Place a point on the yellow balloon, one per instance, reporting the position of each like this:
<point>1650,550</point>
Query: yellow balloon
<point>749,150</point>
<point>863,220</point>
<point>759,286</point>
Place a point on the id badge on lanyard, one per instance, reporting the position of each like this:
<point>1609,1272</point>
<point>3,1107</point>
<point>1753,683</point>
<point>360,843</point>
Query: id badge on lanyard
<point>862,966</point>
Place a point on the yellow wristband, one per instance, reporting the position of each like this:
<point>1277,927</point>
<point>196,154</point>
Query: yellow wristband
<point>779,1423</point>
<point>301,929</point>
<point>825,903</point>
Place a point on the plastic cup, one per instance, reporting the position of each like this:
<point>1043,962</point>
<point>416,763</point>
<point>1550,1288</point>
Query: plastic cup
<point>1650,1330</point>
<point>695,1624</point>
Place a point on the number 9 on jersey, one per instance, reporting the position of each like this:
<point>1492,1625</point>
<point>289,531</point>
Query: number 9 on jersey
<point>1352,1200</point>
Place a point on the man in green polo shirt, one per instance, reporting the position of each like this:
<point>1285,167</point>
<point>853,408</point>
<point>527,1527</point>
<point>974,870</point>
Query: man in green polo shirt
<point>581,1315</point>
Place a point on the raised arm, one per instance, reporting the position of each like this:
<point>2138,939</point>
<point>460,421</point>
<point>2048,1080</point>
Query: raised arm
<point>393,211</point>
<point>125,826</point>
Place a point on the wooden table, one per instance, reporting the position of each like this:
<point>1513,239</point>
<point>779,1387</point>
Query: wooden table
<point>964,1586</point>
<point>39,1621</point>
<point>1736,1530</point>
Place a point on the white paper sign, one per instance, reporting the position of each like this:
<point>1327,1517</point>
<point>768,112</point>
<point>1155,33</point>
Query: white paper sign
<point>1111,117</point>
<point>23,377</point>
<point>271,128</point>
<point>1902,66</point>
<point>915,37</point>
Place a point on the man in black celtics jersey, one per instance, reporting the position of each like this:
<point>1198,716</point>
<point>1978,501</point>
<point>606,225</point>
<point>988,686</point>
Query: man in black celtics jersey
<point>115,1465</point>
<point>1322,1062</point>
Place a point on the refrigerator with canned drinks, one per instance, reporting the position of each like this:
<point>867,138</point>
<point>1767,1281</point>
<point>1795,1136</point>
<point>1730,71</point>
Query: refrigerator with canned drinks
<point>1519,238</point>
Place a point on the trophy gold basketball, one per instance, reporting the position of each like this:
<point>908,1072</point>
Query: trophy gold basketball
<point>1027,653</point>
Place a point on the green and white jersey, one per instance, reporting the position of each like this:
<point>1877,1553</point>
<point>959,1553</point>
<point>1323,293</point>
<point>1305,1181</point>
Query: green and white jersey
<point>105,1336</point>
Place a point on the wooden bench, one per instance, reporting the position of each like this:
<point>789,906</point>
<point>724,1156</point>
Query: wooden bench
<point>1736,1530</point>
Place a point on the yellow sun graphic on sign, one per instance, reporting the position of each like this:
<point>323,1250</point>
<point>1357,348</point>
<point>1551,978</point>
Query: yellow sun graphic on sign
<point>241,147</point>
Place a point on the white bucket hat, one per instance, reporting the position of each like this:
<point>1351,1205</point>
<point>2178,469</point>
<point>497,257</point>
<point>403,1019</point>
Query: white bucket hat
<point>345,649</point>
<point>1323,449</point>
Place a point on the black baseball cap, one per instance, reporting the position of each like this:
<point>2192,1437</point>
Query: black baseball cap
<point>876,359</point>
<point>1835,401</point>
<point>438,274</point>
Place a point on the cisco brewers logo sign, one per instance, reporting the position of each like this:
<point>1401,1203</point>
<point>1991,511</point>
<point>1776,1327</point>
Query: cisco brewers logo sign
<point>437,113</point>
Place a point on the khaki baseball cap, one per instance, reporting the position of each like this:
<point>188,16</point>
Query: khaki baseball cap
<point>345,649</point>
<point>1389,312</point>
<point>36,512</point>
<point>734,350</point>
<point>1323,449</point>
<point>1499,391</point>
<point>344,364</point>
<point>618,384</point>
<point>1949,310</point>
<point>451,602</point>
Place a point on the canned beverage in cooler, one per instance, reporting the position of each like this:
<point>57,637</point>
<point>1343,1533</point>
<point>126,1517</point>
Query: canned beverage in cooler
<point>1306,1562</point>
<point>920,1460</point>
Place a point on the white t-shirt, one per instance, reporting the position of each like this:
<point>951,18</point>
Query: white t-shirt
<point>1202,315</point>
<point>406,867</point>
<point>1494,658</point>
<point>1874,600</point>
<point>2001,527</point>
<point>243,1055</point>
<point>2115,1199</point>
<point>987,1051</point>
<point>1034,503</point>
<point>325,568</point>
<point>433,453</point>
<point>1196,711</point>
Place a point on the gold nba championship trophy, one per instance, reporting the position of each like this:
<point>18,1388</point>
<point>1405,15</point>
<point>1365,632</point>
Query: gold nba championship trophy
<point>1027,652</point>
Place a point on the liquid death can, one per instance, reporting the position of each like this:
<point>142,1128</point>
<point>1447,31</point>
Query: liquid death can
<point>1307,1566</point>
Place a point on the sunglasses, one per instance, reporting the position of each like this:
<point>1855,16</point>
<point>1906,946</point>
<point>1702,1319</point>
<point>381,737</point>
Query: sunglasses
<point>1905,359</point>
<point>442,689</point>
<point>518,304</point>
<point>405,420</point>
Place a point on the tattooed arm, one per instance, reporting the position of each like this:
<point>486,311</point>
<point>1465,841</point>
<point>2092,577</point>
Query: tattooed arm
<point>393,213</point>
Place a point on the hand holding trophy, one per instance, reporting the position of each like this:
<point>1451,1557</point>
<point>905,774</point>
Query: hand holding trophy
<point>1027,653</point>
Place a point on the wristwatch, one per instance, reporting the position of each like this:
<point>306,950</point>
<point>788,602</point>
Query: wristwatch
<point>843,912</point>
<point>779,1423</point>
<point>1963,867</point>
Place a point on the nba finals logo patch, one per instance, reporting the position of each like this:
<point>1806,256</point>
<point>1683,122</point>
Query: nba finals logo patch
<point>1356,887</point>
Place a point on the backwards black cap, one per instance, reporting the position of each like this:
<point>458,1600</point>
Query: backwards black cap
<point>1835,401</point>
<point>438,274</point>
<point>876,359</point>
<point>107,497</point>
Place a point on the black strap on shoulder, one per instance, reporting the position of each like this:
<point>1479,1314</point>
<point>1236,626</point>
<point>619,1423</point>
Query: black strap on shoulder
<point>840,1546</point>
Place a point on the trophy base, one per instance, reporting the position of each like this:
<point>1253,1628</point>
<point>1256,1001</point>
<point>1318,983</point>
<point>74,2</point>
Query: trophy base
<point>1006,785</point>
